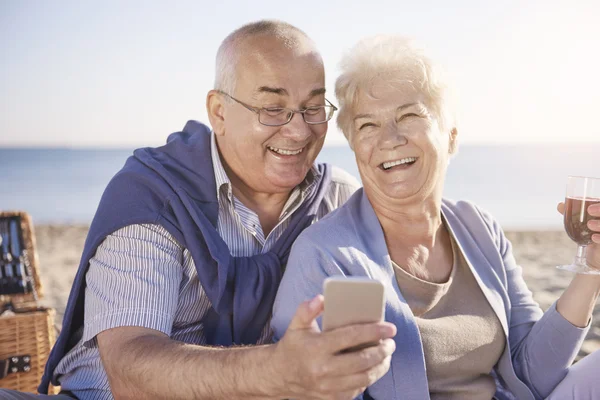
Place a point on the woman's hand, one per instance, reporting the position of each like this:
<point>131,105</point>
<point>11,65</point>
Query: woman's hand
<point>577,302</point>
<point>593,249</point>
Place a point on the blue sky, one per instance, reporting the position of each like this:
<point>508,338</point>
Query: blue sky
<point>127,73</point>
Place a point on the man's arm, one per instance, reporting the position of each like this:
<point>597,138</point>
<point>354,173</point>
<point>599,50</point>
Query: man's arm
<point>143,363</point>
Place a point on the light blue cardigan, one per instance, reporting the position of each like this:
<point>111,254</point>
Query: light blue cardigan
<point>349,241</point>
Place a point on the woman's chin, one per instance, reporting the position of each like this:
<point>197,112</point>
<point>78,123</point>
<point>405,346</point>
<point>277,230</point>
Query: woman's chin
<point>405,191</point>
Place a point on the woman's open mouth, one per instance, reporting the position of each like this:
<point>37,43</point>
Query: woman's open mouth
<point>403,163</point>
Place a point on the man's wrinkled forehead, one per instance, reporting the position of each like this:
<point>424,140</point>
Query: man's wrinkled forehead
<point>270,52</point>
<point>283,92</point>
<point>265,43</point>
<point>273,68</point>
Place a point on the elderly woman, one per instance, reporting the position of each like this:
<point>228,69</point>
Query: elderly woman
<point>468,327</point>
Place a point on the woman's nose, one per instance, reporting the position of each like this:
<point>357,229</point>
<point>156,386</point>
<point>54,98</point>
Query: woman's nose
<point>392,136</point>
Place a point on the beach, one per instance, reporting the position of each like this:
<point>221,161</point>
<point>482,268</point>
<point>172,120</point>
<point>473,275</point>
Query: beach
<point>538,252</point>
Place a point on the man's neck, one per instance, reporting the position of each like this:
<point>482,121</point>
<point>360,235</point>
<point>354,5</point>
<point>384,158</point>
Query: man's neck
<point>268,206</point>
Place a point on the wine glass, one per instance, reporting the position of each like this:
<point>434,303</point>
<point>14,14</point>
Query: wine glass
<point>582,192</point>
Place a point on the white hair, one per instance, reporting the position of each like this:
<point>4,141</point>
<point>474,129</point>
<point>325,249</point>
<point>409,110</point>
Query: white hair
<point>230,49</point>
<point>397,60</point>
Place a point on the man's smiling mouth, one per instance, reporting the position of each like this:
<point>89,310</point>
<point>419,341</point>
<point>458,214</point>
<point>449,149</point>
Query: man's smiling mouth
<point>285,152</point>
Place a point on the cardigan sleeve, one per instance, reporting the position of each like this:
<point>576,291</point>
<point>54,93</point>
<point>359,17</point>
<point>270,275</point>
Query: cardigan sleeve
<point>305,272</point>
<point>542,345</point>
<point>308,266</point>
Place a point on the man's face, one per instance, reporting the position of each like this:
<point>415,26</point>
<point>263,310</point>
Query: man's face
<point>273,159</point>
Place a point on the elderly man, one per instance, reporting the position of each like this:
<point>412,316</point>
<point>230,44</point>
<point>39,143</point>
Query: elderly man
<point>185,254</point>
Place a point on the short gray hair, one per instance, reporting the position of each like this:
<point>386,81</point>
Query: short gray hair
<point>397,58</point>
<point>230,49</point>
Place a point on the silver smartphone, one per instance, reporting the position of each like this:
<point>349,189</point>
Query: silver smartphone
<point>352,300</point>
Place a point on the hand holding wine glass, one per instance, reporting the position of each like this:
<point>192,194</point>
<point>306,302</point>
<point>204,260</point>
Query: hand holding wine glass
<point>582,223</point>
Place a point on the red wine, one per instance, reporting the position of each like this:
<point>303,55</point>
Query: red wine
<point>576,219</point>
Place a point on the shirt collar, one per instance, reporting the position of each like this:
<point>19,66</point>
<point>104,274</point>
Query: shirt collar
<point>221,178</point>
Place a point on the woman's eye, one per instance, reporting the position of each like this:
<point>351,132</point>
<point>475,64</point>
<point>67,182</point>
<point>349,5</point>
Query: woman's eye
<point>368,124</point>
<point>404,116</point>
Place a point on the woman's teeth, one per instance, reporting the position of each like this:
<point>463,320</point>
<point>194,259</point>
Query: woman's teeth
<point>390,164</point>
<point>285,152</point>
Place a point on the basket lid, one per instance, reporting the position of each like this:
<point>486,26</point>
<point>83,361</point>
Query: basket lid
<point>29,259</point>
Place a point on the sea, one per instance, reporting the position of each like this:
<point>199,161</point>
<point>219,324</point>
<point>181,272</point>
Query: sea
<point>519,184</point>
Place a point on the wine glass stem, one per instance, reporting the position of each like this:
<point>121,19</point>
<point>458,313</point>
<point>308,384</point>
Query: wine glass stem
<point>580,258</point>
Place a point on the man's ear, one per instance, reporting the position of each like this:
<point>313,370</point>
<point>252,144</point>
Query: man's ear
<point>453,141</point>
<point>216,112</point>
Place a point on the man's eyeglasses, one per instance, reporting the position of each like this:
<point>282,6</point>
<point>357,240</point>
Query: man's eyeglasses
<point>277,116</point>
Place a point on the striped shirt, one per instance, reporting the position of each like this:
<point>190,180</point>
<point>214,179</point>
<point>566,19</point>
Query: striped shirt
<point>141,276</point>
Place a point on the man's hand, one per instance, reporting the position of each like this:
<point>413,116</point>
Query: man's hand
<point>312,366</point>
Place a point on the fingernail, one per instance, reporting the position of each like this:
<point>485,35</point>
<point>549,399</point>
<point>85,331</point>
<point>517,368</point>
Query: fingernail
<point>593,224</point>
<point>596,238</point>
<point>314,304</point>
<point>594,209</point>
<point>387,330</point>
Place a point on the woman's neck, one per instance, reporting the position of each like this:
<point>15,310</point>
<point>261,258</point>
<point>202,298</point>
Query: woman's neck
<point>411,221</point>
<point>415,235</point>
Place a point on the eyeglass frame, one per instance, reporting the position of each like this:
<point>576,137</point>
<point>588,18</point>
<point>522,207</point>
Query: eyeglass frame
<point>291,111</point>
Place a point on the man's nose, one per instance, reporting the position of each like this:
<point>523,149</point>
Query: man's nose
<point>297,128</point>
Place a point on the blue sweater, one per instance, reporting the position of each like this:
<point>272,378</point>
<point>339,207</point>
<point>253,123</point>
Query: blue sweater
<point>174,186</point>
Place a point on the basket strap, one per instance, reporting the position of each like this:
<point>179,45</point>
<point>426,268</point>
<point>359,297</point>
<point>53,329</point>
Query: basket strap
<point>14,364</point>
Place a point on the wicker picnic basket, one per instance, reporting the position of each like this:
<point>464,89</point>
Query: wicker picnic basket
<point>27,331</point>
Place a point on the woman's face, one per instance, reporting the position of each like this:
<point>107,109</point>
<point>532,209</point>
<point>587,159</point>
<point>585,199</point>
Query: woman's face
<point>400,151</point>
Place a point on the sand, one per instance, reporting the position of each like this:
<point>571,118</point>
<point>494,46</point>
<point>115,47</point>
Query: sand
<point>60,246</point>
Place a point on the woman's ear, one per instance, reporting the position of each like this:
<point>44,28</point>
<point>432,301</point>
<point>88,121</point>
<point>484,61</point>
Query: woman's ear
<point>216,112</point>
<point>453,137</point>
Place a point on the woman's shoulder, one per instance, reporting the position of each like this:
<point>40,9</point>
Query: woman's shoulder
<point>468,212</point>
<point>461,206</point>
<point>470,222</point>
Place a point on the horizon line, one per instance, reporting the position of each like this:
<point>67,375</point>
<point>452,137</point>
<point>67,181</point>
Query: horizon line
<point>326,145</point>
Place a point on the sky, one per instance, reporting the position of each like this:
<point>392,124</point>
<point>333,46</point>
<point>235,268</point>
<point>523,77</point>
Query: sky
<point>127,73</point>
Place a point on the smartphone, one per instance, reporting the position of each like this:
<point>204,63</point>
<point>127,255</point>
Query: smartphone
<point>352,300</point>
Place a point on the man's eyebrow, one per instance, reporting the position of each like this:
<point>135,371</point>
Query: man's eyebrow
<point>284,92</point>
<point>275,90</point>
<point>316,92</point>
